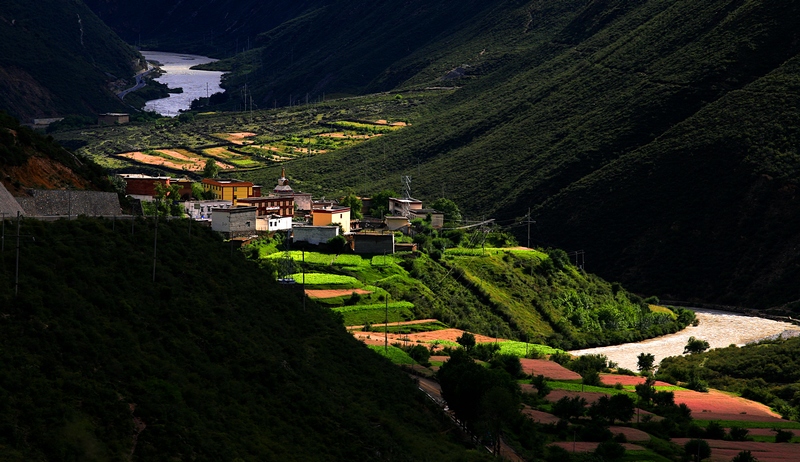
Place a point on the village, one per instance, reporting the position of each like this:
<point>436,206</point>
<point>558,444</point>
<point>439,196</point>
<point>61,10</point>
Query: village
<point>241,211</point>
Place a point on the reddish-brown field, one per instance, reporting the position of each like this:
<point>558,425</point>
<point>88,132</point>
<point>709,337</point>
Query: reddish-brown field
<point>716,405</point>
<point>331,293</point>
<point>613,379</point>
<point>585,446</point>
<point>235,138</point>
<point>540,416</point>
<point>549,369</point>
<point>589,396</point>
<point>765,452</point>
<point>631,434</point>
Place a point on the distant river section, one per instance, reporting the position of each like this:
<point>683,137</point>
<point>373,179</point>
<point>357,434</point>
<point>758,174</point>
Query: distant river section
<point>195,83</point>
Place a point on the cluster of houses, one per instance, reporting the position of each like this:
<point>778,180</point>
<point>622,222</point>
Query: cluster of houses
<point>241,210</point>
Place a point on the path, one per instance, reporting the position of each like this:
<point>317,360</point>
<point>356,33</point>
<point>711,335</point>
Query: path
<point>719,328</point>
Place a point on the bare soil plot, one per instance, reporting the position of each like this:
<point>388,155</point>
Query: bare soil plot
<point>716,405</point>
<point>590,396</point>
<point>722,450</point>
<point>631,434</point>
<point>332,293</point>
<point>549,369</point>
<point>342,135</point>
<point>585,446</point>
<point>235,138</point>
<point>176,159</point>
<point>540,416</point>
<point>613,379</point>
<point>371,338</point>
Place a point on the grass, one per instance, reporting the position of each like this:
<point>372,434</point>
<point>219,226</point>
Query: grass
<point>375,314</point>
<point>786,424</point>
<point>577,386</point>
<point>394,354</point>
<point>414,328</point>
<point>324,279</point>
<point>521,349</point>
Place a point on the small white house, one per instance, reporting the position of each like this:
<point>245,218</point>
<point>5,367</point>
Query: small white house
<point>202,210</point>
<point>272,223</point>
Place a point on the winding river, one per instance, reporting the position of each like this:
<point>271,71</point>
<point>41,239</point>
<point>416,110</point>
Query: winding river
<point>718,328</point>
<point>195,83</point>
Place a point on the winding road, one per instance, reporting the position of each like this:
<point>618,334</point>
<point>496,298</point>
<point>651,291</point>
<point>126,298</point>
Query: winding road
<point>140,83</point>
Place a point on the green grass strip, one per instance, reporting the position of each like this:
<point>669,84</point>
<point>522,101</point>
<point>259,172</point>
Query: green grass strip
<point>521,348</point>
<point>394,354</point>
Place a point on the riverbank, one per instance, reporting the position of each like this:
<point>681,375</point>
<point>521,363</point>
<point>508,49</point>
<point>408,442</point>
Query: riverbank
<point>718,328</point>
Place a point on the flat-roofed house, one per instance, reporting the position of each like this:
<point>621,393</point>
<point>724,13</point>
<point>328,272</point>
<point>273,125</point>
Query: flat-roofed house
<point>334,215</point>
<point>228,190</point>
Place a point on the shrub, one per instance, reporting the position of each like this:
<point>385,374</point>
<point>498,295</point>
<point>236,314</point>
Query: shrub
<point>783,436</point>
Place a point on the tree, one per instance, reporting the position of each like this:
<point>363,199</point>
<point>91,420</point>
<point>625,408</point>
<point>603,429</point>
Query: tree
<point>452,214</point>
<point>744,456</point>
<point>697,450</point>
<point>645,362</point>
<point>542,388</point>
<point>380,203</point>
<point>211,170</point>
<point>466,340</point>
<point>355,204</point>
<point>567,408</point>
<point>695,345</point>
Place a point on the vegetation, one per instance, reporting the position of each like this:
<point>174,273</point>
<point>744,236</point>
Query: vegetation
<point>100,360</point>
<point>764,372</point>
<point>58,58</point>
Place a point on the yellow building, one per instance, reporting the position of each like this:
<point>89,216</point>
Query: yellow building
<point>228,190</point>
<point>334,215</point>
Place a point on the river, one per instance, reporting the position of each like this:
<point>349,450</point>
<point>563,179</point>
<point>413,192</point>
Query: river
<point>195,83</point>
<point>719,328</point>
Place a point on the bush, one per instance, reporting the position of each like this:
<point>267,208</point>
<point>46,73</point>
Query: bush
<point>783,436</point>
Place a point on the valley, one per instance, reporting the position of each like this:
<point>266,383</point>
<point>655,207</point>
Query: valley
<point>159,300</point>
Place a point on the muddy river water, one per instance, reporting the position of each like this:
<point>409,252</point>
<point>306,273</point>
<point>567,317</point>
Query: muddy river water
<point>718,328</point>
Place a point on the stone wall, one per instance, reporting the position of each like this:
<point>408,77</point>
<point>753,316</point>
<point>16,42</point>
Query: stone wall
<point>48,203</point>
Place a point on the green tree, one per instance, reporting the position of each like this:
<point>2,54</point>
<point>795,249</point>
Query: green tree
<point>452,214</point>
<point>355,204</point>
<point>380,203</point>
<point>542,388</point>
<point>466,340</point>
<point>695,345</point>
<point>645,362</point>
<point>744,456</point>
<point>567,408</point>
<point>697,450</point>
<point>211,169</point>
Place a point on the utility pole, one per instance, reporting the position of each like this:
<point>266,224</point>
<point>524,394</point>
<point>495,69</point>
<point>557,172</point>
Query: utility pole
<point>386,328</point>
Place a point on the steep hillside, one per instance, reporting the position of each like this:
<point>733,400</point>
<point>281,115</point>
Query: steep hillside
<point>219,28</point>
<point>660,137</point>
<point>58,58</point>
<point>107,357</point>
<point>30,160</point>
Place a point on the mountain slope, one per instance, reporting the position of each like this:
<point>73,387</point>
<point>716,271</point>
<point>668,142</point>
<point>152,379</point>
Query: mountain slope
<point>705,94</point>
<point>106,357</point>
<point>58,58</point>
<point>658,136</point>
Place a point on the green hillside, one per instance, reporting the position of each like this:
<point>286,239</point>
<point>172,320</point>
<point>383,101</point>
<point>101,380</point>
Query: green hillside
<point>658,136</point>
<point>527,295</point>
<point>211,361</point>
<point>58,58</point>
